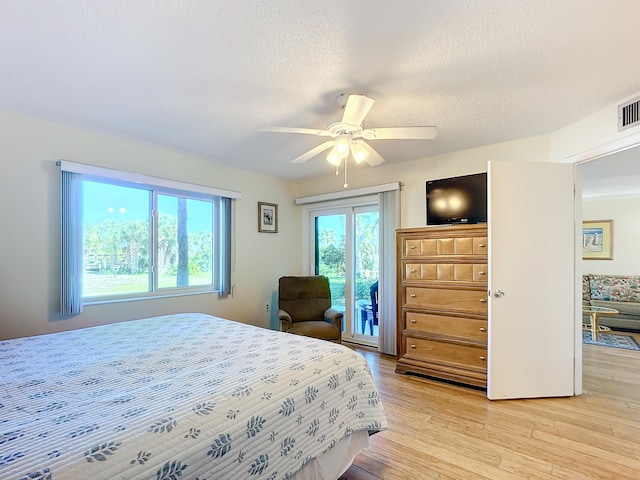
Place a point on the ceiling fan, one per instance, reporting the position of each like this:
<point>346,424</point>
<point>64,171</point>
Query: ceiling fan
<point>348,135</point>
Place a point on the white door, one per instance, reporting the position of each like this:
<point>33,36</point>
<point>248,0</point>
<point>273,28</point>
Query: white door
<point>532,280</point>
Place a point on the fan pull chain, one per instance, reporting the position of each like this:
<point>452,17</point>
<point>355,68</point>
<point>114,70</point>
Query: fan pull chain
<point>345,173</point>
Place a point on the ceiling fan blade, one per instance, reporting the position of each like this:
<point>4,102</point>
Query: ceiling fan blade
<point>313,152</point>
<point>374,157</point>
<point>356,109</point>
<point>306,131</point>
<point>401,133</point>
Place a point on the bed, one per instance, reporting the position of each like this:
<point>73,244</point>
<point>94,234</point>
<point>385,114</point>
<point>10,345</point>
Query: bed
<point>187,396</point>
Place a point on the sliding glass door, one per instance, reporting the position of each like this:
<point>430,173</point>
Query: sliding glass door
<point>366,270</point>
<point>345,248</point>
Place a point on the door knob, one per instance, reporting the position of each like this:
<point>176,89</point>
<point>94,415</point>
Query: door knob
<point>498,294</point>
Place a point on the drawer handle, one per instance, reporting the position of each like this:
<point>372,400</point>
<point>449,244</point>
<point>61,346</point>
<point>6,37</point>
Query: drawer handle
<point>481,245</point>
<point>412,247</point>
<point>483,300</point>
<point>412,271</point>
<point>413,295</point>
<point>482,358</point>
<point>413,345</point>
<point>481,273</point>
<point>413,320</point>
<point>482,329</point>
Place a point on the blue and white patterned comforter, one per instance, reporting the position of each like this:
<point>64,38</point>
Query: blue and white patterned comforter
<point>178,396</point>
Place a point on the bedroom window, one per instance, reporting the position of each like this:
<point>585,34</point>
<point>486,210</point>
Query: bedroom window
<point>126,239</point>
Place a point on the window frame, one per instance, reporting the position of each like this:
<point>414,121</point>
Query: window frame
<point>72,299</point>
<point>154,290</point>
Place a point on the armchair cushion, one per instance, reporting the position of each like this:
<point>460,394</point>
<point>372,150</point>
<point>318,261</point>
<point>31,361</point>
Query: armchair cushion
<point>316,329</point>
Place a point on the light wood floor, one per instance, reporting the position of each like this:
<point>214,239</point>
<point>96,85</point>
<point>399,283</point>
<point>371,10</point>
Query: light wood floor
<point>445,432</point>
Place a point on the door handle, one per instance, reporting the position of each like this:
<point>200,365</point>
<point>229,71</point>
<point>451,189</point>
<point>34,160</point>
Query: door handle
<point>498,294</point>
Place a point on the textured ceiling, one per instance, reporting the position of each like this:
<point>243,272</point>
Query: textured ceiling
<point>203,75</point>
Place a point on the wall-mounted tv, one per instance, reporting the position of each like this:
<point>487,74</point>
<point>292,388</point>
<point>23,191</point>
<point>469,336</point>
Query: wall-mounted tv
<point>457,200</point>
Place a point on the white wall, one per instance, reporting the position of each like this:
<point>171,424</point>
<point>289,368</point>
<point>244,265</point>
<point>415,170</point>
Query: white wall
<point>30,213</point>
<point>589,133</point>
<point>625,213</point>
<point>597,136</point>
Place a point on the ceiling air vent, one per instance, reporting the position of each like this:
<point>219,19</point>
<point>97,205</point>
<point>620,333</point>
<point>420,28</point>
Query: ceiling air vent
<point>629,114</point>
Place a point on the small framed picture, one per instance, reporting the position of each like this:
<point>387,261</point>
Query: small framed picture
<point>267,217</point>
<point>597,240</point>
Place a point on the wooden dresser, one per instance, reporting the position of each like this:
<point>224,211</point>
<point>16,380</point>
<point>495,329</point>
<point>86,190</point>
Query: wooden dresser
<point>442,302</point>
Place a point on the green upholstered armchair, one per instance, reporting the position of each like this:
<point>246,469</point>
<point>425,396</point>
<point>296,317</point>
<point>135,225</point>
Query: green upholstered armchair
<point>304,308</point>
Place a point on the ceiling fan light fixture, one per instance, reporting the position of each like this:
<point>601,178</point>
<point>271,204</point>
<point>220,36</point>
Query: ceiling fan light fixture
<point>348,136</point>
<point>358,152</point>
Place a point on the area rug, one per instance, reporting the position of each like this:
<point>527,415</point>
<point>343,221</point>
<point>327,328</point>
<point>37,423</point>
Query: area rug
<point>615,340</point>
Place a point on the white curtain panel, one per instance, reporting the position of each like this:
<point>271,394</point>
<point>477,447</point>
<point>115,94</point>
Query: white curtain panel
<point>389,223</point>
<point>71,301</point>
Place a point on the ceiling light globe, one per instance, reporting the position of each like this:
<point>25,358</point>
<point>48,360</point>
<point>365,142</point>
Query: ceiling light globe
<point>333,158</point>
<point>342,147</point>
<point>359,152</point>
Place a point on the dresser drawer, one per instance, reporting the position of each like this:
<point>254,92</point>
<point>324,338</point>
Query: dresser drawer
<point>443,325</point>
<point>447,272</point>
<point>480,245</point>
<point>429,247</point>
<point>458,300</point>
<point>446,353</point>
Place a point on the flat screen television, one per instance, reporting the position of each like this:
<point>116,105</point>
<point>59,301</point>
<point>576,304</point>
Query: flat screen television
<point>457,200</point>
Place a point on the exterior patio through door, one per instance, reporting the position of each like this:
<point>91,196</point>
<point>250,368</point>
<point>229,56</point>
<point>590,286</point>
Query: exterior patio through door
<point>345,248</point>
